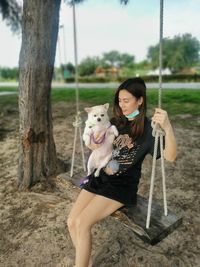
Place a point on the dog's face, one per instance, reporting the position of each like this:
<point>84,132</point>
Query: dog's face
<point>98,114</point>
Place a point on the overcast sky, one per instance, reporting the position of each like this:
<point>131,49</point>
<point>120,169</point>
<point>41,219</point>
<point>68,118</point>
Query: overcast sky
<point>105,25</point>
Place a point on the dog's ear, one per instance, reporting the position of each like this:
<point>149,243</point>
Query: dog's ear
<point>106,106</point>
<point>88,110</point>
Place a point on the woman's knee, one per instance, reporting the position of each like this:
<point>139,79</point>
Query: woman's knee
<point>82,224</point>
<point>71,223</point>
<point>76,223</point>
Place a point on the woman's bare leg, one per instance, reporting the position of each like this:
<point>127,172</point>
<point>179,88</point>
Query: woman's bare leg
<point>82,201</point>
<point>98,208</point>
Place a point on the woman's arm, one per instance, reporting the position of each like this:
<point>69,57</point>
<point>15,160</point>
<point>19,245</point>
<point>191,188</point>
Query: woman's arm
<point>160,116</point>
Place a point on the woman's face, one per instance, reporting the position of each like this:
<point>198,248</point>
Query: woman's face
<point>127,102</point>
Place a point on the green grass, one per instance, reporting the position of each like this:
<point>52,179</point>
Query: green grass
<point>175,101</point>
<point>92,96</point>
<point>8,89</point>
<point>8,101</point>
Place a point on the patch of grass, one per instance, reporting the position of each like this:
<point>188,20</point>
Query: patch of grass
<point>8,101</point>
<point>92,96</point>
<point>67,95</point>
<point>175,101</point>
<point>9,89</point>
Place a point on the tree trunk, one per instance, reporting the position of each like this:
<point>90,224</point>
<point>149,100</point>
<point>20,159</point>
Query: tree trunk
<point>37,155</point>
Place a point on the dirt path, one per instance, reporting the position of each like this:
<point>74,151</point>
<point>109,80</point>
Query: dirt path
<point>32,224</point>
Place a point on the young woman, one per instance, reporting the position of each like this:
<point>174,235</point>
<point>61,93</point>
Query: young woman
<point>117,183</point>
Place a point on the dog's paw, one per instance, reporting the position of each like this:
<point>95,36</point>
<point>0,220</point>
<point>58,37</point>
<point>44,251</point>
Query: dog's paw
<point>115,131</point>
<point>87,140</point>
<point>84,137</point>
<point>96,174</point>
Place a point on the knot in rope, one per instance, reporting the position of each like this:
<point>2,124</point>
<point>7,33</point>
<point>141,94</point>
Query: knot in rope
<point>157,129</point>
<point>77,123</point>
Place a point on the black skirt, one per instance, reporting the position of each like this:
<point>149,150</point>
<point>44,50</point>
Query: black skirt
<point>121,188</point>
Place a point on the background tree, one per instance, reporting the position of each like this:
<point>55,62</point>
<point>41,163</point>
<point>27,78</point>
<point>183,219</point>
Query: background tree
<point>111,59</point>
<point>116,59</point>
<point>40,23</point>
<point>178,53</point>
<point>9,73</point>
<point>67,70</point>
<point>88,66</point>
<point>70,67</point>
<point>127,60</point>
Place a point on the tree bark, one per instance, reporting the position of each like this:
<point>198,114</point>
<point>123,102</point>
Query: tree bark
<point>37,155</point>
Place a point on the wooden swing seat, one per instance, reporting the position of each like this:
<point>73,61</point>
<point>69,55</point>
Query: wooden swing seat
<point>134,217</point>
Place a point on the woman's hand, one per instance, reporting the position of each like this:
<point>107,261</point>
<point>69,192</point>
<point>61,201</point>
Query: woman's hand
<point>93,146</point>
<point>96,143</point>
<point>161,117</point>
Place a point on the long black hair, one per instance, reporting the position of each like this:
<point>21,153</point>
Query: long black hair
<point>136,87</point>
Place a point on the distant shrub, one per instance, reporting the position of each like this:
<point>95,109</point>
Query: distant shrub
<point>174,78</point>
<point>147,78</point>
<point>90,79</point>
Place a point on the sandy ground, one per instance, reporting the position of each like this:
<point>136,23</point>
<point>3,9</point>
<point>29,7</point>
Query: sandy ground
<point>33,231</point>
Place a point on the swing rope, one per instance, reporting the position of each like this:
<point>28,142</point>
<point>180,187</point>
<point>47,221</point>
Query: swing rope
<point>78,121</point>
<point>158,133</point>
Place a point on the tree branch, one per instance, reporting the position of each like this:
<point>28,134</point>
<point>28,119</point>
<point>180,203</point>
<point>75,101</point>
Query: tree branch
<point>12,13</point>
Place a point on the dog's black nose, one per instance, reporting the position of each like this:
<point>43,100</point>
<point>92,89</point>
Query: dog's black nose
<point>98,119</point>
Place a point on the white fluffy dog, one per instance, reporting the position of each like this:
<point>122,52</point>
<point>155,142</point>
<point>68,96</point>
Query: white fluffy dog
<point>100,133</point>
